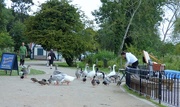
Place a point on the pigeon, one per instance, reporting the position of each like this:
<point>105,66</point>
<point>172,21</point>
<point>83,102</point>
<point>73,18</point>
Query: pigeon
<point>34,79</point>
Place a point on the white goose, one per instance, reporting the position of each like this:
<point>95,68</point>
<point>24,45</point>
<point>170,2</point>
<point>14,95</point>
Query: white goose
<point>113,72</point>
<point>92,73</point>
<point>85,71</point>
<point>68,79</point>
<point>99,74</point>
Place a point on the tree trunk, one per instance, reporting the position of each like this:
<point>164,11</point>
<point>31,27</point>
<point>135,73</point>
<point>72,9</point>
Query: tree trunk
<point>69,61</point>
<point>127,29</point>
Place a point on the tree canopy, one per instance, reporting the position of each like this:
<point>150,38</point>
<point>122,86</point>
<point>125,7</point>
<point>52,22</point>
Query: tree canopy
<point>115,16</point>
<point>57,25</point>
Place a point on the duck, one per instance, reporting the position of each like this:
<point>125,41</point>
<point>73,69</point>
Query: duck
<point>78,72</point>
<point>68,79</point>
<point>93,81</point>
<point>84,79</point>
<point>113,72</point>
<point>92,73</point>
<point>42,83</point>
<point>97,82</point>
<point>22,76</point>
<point>34,80</point>
<point>106,80</point>
<point>44,80</point>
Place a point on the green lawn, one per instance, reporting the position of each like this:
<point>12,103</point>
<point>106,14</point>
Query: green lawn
<point>14,72</point>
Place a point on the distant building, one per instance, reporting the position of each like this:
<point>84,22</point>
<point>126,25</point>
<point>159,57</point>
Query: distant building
<point>37,52</point>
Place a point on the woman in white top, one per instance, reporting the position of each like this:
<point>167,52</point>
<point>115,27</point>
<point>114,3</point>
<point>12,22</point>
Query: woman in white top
<point>130,59</point>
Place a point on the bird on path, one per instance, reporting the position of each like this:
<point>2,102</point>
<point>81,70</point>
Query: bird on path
<point>97,81</point>
<point>85,72</point>
<point>26,70</point>
<point>78,72</point>
<point>44,80</point>
<point>93,81</point>
<point>43,83</point>
<point>84,79</point>
<point>68,79</point>
<point>34,80</point>
<point>113,72</point>
<point>56,71</point>
<point>22,76</point>
<point>99,74</point>
<point>92,73</point>
<point>56,79</point>
<point>106,81</point>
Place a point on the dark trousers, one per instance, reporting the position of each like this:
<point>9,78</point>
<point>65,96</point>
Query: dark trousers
<point>21,62</point>
<point>134,65</point>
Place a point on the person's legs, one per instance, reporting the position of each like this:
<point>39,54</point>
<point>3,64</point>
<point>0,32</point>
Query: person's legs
<point>23,62</point>
<point>20,62</point>
<point>50,63</point>
<point>22,59</point>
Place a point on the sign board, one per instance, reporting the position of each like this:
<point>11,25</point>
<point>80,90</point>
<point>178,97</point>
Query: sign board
<point>9,62</point>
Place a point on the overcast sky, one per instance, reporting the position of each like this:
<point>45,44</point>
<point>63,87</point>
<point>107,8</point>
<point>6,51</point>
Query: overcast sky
<point>85,5</point>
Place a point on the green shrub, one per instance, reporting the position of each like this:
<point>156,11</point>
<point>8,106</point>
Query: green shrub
<point>100,64</point>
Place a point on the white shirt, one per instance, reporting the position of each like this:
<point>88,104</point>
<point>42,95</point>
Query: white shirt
<point>130,58</point>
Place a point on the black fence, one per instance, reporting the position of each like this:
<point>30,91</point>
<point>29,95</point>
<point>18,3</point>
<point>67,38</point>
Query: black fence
<point>154,85</point>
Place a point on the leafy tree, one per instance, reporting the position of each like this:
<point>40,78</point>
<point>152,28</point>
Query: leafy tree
<point>168,22</point>
<point>21,8</point>
<point>57,25</point>
<point>140,25</point>
<point>5,41</point>
<point>2,18</point>
<point>176,35</point>
<point>177,49</point>
<point>17,32</point>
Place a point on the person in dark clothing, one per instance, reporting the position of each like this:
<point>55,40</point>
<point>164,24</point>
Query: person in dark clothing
<point>51,57</point>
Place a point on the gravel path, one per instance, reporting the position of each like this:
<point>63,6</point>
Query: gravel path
<point>16,92</point>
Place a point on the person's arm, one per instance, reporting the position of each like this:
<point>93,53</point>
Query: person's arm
<point>54,56</point>
<point>127,61</point>
<point>26,52</point>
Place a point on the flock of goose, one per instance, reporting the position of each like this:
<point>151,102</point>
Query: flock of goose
<point>95,76</point>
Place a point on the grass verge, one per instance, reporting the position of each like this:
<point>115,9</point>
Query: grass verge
<point>141,96</point>
<point>14,72</point>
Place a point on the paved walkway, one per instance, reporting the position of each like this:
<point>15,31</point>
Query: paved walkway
<point>25,93</point>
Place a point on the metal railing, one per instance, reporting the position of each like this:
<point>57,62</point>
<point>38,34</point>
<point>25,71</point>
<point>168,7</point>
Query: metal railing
<point>158,86</point>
